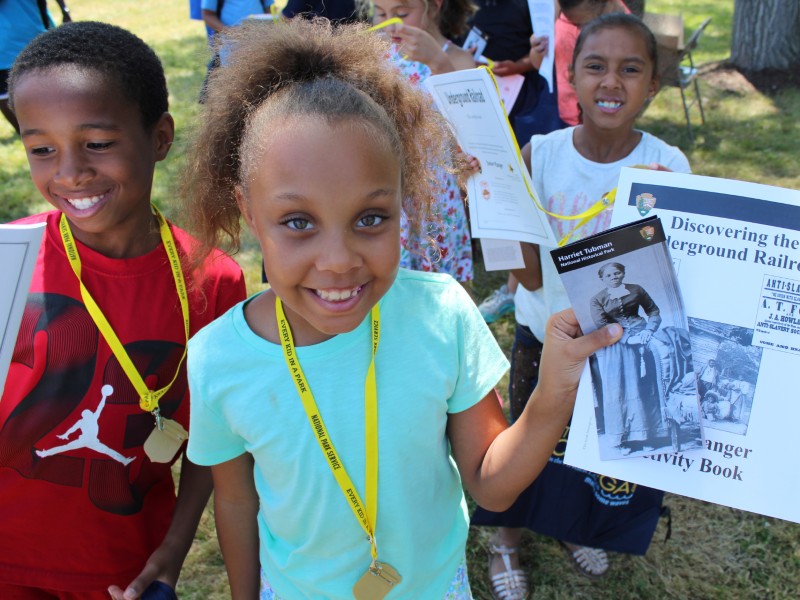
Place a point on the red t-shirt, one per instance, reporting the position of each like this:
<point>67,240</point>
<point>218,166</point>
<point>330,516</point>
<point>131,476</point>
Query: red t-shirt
<point>82,506</point>
<point>566,36</point>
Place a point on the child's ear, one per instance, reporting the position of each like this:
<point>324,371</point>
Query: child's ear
<point>655,85</point>
<point>571,75</point>
<point>163,135</point>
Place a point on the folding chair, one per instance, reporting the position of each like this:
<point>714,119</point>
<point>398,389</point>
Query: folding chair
<point>676,66</point>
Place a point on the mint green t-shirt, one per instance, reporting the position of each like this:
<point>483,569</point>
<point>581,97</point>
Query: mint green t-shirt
<point>436,356</point>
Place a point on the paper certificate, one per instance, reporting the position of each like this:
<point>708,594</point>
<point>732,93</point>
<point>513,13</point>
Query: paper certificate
<point>500,197</point>
<point>543,20</point>
<point>735,247</point>
<point>19,247</point>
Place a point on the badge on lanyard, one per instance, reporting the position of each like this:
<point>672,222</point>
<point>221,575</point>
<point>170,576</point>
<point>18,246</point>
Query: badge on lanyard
<point>380,578</point>
<point>378,581</point>
<point>167,437</point>
<point>165,440</point>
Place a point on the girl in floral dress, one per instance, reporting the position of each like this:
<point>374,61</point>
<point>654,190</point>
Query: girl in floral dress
<point>420,49</point>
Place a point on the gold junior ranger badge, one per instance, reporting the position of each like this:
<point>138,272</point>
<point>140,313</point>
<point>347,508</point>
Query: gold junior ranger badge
<point>166,439</point>
<point>378,581</point>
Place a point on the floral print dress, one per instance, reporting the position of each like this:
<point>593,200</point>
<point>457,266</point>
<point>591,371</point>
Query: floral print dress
<point>444,244</point>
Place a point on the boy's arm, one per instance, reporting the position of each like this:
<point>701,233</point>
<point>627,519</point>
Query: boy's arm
<point>211,20</point>
<point>503,68</point>
<point>236,513</point>
<point>164,564</point>
<point>497,463</point>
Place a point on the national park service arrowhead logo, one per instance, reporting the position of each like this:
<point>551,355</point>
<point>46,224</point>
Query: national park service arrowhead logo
<point>647,232</point>
<point>645,203</point>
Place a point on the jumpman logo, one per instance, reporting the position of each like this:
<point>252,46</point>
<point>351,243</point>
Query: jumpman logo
<point>89,436</point>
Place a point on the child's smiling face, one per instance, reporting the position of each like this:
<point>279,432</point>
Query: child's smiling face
<point>324,201</point>
<point>90,155</point>
<point>613,77</point>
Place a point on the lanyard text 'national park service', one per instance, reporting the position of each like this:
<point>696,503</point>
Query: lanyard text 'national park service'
<point>148,399</point>
<point>380,577</point>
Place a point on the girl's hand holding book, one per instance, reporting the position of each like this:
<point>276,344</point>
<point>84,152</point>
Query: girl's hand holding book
<point>565,352</point>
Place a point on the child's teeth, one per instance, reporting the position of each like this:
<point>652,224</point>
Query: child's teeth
<point>84,203</point>
<point>337,295</point>
<point>609,104</point>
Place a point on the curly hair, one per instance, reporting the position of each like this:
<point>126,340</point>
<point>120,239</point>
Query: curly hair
<point>115,52</point>
<point>306,69</point>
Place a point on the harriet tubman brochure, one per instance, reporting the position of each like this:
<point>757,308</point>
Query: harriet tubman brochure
<point>644,391</point>
<point>19,247</point>
<point>543,20</point>
<point>735,247</point>
<point>501,198</point>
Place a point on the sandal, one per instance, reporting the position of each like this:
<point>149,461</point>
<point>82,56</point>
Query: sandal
<point>510,584</point>
<point>590,562</point>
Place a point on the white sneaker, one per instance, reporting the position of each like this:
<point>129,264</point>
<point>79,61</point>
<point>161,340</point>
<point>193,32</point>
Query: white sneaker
<point>500,302</point>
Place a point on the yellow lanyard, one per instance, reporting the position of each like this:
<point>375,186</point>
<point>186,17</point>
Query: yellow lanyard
<point>365,514</point>
<point>386,23</point>
<point>584,217</point>
<point>148,399</point>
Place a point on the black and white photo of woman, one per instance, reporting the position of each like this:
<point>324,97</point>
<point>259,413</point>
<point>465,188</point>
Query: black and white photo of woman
<point>631,411</point>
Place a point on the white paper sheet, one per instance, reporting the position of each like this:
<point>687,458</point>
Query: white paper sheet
<point>19,247</point>
<point>476,40</point>
<point>501,203</point>
<point>501,255</point>
<point>736,251</point>
<point>543,20</point>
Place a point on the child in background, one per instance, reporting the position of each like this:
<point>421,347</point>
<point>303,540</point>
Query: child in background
<point>88,499</point>
<point>574,15</point>
<point>220,14</point>
<point>20,22</point>
<point>421,47</point>
<point>318,142</point>
<point>614,73</point>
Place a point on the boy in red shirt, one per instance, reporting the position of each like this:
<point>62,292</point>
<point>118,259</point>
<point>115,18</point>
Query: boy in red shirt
<point>95,407</point>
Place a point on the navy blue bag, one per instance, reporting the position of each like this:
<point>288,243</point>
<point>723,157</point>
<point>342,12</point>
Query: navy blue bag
<point>536,110</point>
<point>158,590</point>
<point>583,508</point>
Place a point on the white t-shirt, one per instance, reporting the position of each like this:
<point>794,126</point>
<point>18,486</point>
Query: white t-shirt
<point>567,183</point>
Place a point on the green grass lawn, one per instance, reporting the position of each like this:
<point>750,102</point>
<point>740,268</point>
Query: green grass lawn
<point>714,552</point>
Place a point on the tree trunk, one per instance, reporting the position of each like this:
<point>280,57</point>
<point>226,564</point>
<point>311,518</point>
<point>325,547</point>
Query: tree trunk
<point>766,35</point>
